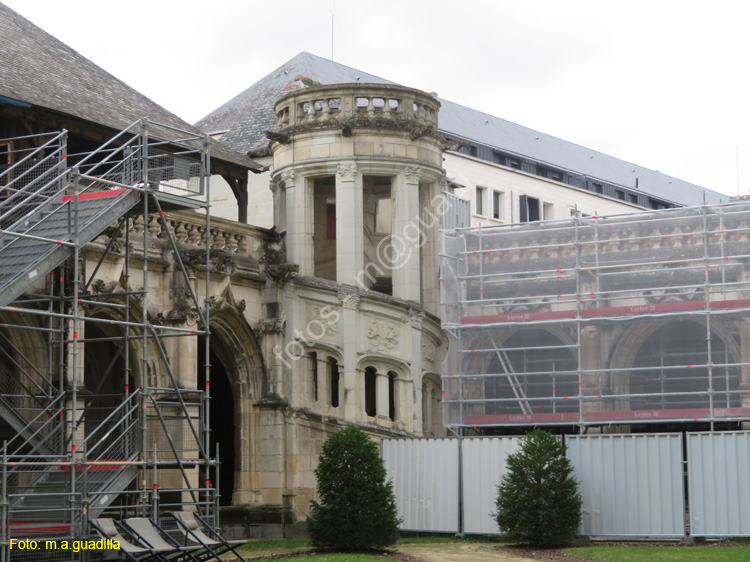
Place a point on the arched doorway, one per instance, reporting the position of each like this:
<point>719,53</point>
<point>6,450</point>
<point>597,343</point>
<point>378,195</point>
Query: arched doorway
<point>670,370</point>
<point>221,417</point>
<point>523,368</point>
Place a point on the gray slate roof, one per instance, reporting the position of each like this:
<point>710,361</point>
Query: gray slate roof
<point>248,115</point>
<point>40,70</point>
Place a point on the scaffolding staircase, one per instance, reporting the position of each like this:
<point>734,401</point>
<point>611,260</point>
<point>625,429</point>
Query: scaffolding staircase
<point>65,457</point>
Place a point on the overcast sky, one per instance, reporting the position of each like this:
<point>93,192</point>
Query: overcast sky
<point>660,83</point>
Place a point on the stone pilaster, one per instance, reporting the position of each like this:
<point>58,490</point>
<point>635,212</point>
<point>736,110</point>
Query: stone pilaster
<point>406,234</point>
<point>349,223</point>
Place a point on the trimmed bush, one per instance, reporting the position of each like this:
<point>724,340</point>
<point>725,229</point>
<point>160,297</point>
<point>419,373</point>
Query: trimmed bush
<point>357,509</point>
<point>538,503</point>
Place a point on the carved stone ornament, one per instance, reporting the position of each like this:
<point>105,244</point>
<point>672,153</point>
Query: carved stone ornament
<point>381,335</point>
<point>347,170</point>
<point>413,173</point>
<point>282,272</point>
<point>287,176</point>
<point>349,300</point>
<point>429,351</point>
<point>417,318</point>
<point>322,321</point>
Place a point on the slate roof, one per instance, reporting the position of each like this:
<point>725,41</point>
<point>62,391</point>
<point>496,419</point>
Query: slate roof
<point>248,115</point>
<point>37,69</point>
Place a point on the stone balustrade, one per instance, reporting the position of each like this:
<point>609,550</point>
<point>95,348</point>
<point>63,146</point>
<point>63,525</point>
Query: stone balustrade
<point>333,105</point>
<point>188,230</point>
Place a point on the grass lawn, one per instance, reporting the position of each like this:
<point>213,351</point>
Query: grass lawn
<point>663,553</point>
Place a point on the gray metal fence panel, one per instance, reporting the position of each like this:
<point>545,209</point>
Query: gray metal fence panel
<point>482,470</point>
<point>632,485</point>
<point>425,481</point>
<point>719,483</point>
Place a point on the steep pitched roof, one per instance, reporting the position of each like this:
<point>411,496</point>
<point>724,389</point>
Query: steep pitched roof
<point>39,70</point>
<point>247,116</point>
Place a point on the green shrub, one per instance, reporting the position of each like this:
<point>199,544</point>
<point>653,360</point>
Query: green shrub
<point>538,503</point>
<point>357,509</point>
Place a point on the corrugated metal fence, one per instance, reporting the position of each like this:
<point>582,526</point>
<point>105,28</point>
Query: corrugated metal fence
<point>631,485</point>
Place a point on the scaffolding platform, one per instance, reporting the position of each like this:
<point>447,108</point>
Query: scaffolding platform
<point>628,319</point>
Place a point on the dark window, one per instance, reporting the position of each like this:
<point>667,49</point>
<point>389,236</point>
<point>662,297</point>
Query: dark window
<point>473,150</point>
<point>529,207</point>
<point>496,204</point>
<point>314,375</point>
<point>333,381</point>
<point>498,157</point>
<point>598,188</point>
<point>633,198</point>
<point>370,391</point>
<point>620,194</point>
<point>514,163</point>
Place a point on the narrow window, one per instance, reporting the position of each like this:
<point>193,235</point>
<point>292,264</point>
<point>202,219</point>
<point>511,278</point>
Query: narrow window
<point>313,358</point>
<point>620,194</point>
<point>498,157</point>
<point>498,205</point>
<point>514,163</point>
<point>370,391</point>
<point>599,188</point>
<point>633,198</point>
<point>529,207</point>
<point>480,201</point>
<point>392,395</point>
<point>333,374</point>
<point>473,151</point>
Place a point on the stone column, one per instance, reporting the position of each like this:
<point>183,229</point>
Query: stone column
<point>299,221</point>
<point>405,231</point>
<point>349,224</point>
<point>431,210</point>
<point>381,395</point>
<point>349,377</point>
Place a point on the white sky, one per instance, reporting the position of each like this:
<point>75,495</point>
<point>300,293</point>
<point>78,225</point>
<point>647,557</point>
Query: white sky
<point>662,83</point>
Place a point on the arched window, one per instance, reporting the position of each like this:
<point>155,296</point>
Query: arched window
<point>371,391</point>
<point>333,382</point>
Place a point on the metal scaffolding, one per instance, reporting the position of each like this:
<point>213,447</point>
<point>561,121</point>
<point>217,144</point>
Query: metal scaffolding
<point>628,319</point>
<point>83,438</point>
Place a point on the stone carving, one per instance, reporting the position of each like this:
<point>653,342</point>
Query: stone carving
<point>382,335</point>
<point>417,317</point>
<point>347,170</point>
<point>322,321</point>
<point>413,173</point>
<point>287,176</point>
<point>349,300</point>
<point>282,272</point>
<point>429,350</point>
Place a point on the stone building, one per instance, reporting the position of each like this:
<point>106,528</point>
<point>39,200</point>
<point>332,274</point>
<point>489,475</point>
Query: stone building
<point>323,311</point>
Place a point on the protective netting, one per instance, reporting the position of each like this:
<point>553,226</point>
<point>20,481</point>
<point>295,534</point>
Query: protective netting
<point>632,318</point>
